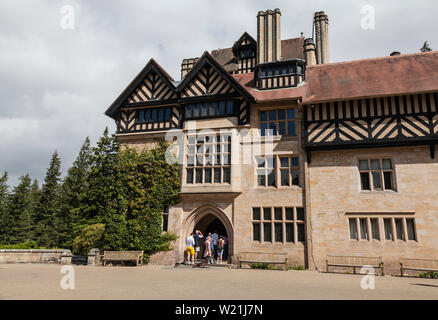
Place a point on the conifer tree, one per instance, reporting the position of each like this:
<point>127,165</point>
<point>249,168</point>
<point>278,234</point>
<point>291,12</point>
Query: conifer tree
<point>5,218</point>
<point>49,205</point>
<point>74,185</point>
<point>21,206</point>
<point>426,47</point>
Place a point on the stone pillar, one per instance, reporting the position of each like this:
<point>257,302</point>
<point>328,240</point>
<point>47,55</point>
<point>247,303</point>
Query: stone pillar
<point>66,257</point>
<point>268,36</point>
<point>309,52</point>
<point>321,36</point>
<point>94,257</point>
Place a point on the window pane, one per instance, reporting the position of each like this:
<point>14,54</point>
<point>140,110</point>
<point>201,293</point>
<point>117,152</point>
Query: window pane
<point>261,178</point>
<point>291,113</point>
<point>191,140</point>
<point>230,107</point>
<point>263,128</point>
<point>411,229</point>
<point>213,109</point>
<point>267,232</point>
<point>227,176</point>
<point>301,234</point>
<point>387,176</point>
<point>273,127</point>
<point>353,229</point>
<point>165,222</point>
<point>168,114</point>
<point>271,178</point>
<point>199,173</point>
<point>147,116</point>
<point>256,213</point>
<point>377,180</point>
<point>365,181</point>
<point>295,177</point>
<point>282,128</point>
<point>281,114</point>
<point>217,175</point>
<point>267,214</point>
<point>263,116</point>
<point>399,229</point>
<point>363,165</point>
<point>140,116</point>
<point>375,229</point>
<point>285,177</point>
<point>270,162</point>
<point>189,176</point>
<point>388,229</point>
<point>272,115</point>
<point>160,114</point>
<point>363,229</point>
<point>278,214</point>
<point>278,232</point>
<point>387,165</point>
<point>291,128</point>
<point>289,232</point>
<point>295,162</point>
<point>256,231</point>
<point>284,162</point>
<point>154,115</point>
<point>375,164</point>
<point>300,214</point>
<point>207,178</point>
<point>222,107</point>
<point>290,214</point>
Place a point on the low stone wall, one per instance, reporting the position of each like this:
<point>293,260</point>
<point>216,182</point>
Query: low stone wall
<point>60,256</point>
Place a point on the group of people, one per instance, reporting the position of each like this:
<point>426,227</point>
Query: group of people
<point>215,247</point>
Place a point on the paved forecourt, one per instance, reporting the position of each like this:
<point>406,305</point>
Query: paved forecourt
<point>39,281</point>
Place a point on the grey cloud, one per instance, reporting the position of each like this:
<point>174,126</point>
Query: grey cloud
<point>55,84</point>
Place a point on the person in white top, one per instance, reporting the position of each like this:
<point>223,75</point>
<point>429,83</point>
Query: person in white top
<point>190,244</point>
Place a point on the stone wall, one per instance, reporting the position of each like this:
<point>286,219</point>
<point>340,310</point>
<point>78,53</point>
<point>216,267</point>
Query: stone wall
<point>35,256</point>
<point>335,193</point>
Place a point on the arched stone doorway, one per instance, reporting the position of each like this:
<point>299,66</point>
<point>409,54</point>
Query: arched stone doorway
<point>209,218</point>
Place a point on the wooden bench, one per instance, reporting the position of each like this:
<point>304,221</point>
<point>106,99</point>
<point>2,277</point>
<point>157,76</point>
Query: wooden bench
<point>122,256</point>
<point>355,262</point>
<point>427,265</point>
<point>263,257</point>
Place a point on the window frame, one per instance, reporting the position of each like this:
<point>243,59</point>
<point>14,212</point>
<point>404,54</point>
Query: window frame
<point>381,172</point>
<point>382,228</point>
<point>210,150</point>
<point>278,169</point>
<point>272,223</point>
<point>277,121</point>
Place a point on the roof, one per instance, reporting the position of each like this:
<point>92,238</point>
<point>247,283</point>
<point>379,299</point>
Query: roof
<point>290,49</point>
<point>247,81</point>
<point>404,74</point>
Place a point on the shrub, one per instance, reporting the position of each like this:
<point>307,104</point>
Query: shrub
<point>24,245</point>
<point>263,266</point>
<point>298,268</point>
<point>432,275</point>
<point>90,237</point>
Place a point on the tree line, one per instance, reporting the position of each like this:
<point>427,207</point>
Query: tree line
<point>111,198</point>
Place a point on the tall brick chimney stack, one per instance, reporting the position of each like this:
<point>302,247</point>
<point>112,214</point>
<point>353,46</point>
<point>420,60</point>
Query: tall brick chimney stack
<point>268,36</point>
<point>321,22</point>
<point>310,52</point>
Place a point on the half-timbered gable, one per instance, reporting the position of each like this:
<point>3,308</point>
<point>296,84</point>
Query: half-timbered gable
<point>245,51</point>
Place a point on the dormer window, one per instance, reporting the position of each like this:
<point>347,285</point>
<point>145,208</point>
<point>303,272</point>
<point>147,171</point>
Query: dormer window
<point>280,74</point>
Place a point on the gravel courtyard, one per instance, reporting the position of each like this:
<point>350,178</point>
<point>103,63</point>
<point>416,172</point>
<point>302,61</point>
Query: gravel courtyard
<point>39,281</point>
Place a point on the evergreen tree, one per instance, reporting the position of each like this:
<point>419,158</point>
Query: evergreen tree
<point>74,185</point>
<point>49,205</point>
<point>100,198</point>
<point>5,218</point>
<point>21,206</point>
<point>426,47</point>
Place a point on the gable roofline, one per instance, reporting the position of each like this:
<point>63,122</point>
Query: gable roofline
<point>237,43</point>
<point>207,58</point>
<point>152,65</point>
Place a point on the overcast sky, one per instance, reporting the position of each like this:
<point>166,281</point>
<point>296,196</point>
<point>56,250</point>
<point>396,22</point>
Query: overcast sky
<point>55,83</point>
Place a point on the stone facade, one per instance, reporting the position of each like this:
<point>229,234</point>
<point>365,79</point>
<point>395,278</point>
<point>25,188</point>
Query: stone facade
<point>335,193</point>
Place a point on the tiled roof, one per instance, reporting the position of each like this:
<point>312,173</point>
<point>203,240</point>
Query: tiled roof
<point>404,74</point>
<point>247,81</point>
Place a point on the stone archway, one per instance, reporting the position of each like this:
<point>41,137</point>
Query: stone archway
<point>210,215</point>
